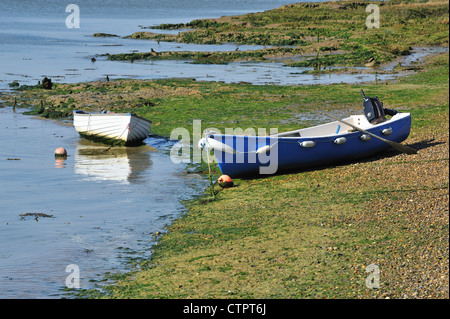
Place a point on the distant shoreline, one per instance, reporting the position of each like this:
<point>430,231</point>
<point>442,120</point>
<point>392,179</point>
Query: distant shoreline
<point>320,35</point>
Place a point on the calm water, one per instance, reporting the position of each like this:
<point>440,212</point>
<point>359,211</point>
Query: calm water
<point>104,207</point>
<point>35,42</point>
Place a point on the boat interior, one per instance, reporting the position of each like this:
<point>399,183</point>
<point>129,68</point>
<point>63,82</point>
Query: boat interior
<point>331,128</point>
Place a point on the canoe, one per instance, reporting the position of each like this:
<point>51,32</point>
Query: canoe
<point>112,128</point>
<point>321,145</point>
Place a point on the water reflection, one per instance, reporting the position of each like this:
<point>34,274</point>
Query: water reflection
<point>96,162</point>
<point>60,161</point>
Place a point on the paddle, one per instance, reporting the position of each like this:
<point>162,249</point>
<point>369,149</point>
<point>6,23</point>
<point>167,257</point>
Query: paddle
<point>400,147</point>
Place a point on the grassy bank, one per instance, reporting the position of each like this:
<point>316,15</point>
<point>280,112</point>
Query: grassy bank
<point>308,234</point>
<point>302,235</point>
<point>176,102</point>
<point>310,34</point>
<point>312,234</point>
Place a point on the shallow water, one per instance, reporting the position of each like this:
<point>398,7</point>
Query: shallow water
<point>105,206</point>
<point>35,43</point>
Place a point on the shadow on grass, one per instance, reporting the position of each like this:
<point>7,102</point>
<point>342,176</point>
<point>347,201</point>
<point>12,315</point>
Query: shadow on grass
<point>390,152</point>
<point>424,144</point>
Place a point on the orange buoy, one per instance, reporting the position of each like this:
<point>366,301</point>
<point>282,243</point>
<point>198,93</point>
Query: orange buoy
<point>60,152</point>
<point>225,181</point>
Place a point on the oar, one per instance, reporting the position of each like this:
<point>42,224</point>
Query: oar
<point>400,147</point>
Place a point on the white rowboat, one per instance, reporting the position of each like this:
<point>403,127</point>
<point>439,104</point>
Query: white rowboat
<point>112,128</point>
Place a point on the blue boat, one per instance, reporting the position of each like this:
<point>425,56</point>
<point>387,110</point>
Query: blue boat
<point>321,145</point>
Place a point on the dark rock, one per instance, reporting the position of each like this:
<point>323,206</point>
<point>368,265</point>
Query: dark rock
<point>47,84</point>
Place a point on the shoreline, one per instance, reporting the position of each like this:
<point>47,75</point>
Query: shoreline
<point>308,234</point>
<point>322,42</point>
<point>239,238</point>
<point>199,258</point>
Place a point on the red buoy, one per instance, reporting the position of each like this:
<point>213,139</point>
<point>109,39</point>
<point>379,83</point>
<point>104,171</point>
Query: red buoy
<point>225,181</point>
<point>60,151</point>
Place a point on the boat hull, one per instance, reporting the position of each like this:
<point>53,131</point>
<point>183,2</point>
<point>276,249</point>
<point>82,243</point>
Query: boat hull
<point>112,128</point>
<point>256,155</point>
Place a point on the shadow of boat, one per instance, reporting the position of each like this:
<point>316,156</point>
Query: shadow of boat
<point>388,153</point>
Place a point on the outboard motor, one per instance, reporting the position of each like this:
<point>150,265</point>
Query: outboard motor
<point>374,111</point>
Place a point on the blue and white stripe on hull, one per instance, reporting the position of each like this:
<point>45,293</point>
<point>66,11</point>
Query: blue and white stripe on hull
<point>334,142</point>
